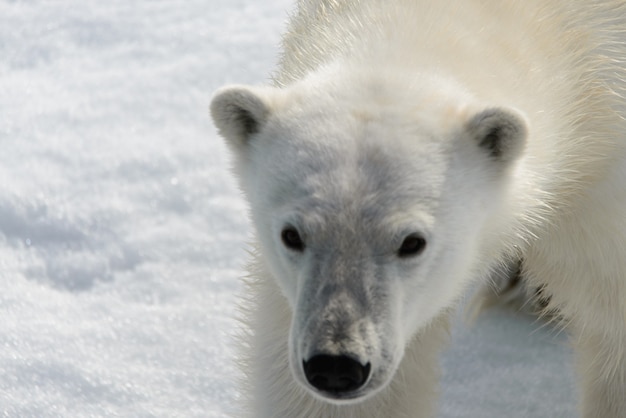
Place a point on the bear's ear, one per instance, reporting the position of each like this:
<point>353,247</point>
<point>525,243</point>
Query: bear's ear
<point>239,112</point>
<point>499,132</point>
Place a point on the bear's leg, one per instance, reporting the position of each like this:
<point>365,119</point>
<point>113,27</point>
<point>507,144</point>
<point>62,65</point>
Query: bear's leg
<point>595,314</point>
<point>581,264</point>
<point>594,311</point>
<point>591,301</point>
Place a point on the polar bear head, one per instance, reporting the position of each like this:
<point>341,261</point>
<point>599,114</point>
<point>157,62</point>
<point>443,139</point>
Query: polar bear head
<point>372,196</point>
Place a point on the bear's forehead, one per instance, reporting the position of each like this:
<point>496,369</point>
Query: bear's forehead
<point>360,178</point>
<point>351,157</point>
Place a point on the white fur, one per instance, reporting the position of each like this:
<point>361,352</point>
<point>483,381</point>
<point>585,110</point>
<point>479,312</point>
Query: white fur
<point>493,129</point>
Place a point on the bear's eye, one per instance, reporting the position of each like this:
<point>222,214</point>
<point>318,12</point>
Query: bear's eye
<point>412,245</point>
<point>291,238</point>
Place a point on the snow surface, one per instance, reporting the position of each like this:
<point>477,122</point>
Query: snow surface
<point>122,233</point>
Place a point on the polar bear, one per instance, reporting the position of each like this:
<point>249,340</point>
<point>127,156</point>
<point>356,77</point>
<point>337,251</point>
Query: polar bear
<point>405,150</point>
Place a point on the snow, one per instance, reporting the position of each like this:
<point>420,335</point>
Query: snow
<point>122,233</point>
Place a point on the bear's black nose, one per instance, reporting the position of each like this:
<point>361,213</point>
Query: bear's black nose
<point>335,374</point>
